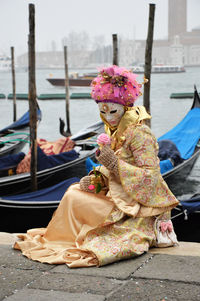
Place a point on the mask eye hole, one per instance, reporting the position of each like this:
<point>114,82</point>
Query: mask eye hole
<point>112,112</point>
<point>102,112</point>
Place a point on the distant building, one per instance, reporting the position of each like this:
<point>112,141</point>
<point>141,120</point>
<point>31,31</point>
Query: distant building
<point>177,17</point>
<point>55,59</point>
<point>181,47</point>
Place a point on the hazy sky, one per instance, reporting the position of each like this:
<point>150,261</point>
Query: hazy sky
<point>56,18</point>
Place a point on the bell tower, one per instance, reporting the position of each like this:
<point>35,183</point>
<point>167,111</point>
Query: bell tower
<point>177,17</point>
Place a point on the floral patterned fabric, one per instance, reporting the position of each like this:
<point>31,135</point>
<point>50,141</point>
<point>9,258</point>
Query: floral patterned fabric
<point>127,237</point>
<point>140,170</point>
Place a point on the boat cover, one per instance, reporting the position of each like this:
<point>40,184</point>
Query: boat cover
<point>53,193</point>
<point>191,206</point>
<point>43,161</point>
<point>90,164</point>
<point>186,134</point>
<point>9,161</point>
<point>21,122</point>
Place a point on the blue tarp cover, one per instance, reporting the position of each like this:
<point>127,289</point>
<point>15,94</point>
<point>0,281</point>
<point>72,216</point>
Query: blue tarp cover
<point>165,166</point>
<point>43,161</point>
<point>191,206</point>
<point>23,121</point>
<point>89,164</point>
<point>9,161</point>
<point>53,193</point>
<point>186,134</point>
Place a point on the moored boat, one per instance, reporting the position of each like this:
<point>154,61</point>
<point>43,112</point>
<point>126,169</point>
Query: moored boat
<point>33,209</point>
<point>161,69</point>
<point>21,183</point>
<point>186,218</point>
<point>73,82</point>
<point>186,136</point>
<point>85,80</point>
<point>16,135</point>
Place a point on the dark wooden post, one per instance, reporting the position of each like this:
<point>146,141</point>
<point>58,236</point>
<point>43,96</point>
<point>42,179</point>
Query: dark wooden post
<point>68,132</point>
<point>32,97</point>
<point>13,85</point>
<point>148,59</point>
<point>115,50</point>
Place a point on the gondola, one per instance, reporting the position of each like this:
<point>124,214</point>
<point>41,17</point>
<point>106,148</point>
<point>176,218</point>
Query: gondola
<point>186,137</point>
<point>186,219</point>
<point>73,82</point>
<point>85,147</point>
<point>21,212</point>
<point>13,143</point>
<point>16,135</point>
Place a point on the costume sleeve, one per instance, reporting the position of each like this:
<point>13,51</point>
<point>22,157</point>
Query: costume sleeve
<point>139,169</point>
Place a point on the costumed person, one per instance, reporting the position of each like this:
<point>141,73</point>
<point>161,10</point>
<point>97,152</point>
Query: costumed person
<point>122,208</point>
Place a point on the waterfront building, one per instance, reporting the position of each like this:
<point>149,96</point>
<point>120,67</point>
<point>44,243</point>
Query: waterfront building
<point>182,47</point>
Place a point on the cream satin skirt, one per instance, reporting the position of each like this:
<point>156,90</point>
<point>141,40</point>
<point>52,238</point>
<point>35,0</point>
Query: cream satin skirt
<point>86,230</point>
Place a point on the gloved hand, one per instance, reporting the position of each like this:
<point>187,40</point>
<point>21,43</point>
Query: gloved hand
<point>85,182</point>
<point>93,183</point>
<point>106,157</point>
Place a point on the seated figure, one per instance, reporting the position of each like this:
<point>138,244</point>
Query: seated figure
<point>112,214</point>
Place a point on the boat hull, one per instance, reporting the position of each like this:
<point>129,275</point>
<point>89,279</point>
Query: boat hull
<point>21,183</point>
<point>187,230</point>
<point>13,147</point>
<point>176,177</point>
<point>73,82</point>
<point>19,220</point>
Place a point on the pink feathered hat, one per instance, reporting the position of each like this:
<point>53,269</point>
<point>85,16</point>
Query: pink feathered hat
<point>116,84</point>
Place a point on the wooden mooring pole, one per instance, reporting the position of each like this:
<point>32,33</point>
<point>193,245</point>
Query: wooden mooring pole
<point>13,84</point>
<point>68,132</point>
<point>32,96</point>
<point>115,50</point>
<point>148,59</point>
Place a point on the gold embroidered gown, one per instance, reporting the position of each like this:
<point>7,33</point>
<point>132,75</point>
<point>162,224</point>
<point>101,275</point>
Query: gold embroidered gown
<point>119,222</point>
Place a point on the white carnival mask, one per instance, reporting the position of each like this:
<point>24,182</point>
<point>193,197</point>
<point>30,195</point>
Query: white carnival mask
<point>112,112</point>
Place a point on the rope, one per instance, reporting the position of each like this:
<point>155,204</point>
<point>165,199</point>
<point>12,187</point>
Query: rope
<point>183,212</point>
<point>177,215</point>
<point>18,133</point>
<point>8,141</point>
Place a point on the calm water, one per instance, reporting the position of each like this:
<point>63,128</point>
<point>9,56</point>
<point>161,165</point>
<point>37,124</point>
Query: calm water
<point>165,112</point>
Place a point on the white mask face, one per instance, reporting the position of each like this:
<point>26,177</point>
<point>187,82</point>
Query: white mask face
<point>112,112</point>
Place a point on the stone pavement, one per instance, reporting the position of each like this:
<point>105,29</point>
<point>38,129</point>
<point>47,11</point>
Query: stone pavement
<point>163,274</point>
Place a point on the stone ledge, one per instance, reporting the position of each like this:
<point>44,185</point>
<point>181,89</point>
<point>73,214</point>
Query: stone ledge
<point>184,249</point>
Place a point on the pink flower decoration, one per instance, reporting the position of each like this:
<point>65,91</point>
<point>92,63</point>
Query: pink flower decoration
<point>103,139</point>
<point>166,226</point>
<point>117,85</point>
<point>91,187</point>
